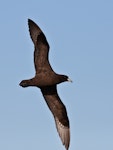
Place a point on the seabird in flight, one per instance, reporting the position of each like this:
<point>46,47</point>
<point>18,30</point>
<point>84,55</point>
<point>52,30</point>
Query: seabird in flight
<point>46,79</point>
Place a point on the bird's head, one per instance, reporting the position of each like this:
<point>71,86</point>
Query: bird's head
<point>65,78</point>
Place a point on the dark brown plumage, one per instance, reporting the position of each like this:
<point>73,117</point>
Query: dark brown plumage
<point>46,79</point>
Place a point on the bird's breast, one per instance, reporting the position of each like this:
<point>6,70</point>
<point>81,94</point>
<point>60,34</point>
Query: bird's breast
<point>46,79</point>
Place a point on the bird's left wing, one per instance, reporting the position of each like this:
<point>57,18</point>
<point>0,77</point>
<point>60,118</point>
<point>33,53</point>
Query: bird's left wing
<point>59,112</point>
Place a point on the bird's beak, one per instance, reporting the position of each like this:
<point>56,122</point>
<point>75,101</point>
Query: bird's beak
<point>69,80</point>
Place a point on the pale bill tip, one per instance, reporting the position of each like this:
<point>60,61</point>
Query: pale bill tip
<point>69,80</point>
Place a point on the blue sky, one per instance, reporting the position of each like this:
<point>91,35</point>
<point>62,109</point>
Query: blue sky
<point>80,34</point>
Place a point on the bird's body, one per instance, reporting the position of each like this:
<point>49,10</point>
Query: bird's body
<point>46,79</point>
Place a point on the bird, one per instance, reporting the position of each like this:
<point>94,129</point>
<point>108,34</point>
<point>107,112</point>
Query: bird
<point>46,80</point>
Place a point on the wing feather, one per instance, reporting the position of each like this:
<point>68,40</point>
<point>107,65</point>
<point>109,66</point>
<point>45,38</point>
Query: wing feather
<point>59,112</point>
<point>41,47</point>
<point>34,30</point>
<point>64,133</point>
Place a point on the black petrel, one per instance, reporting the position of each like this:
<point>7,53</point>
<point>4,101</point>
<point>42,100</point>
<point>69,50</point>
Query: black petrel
<point>46,79</point>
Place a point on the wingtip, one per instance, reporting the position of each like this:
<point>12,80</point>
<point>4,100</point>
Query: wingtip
<point>34,30</point>
<point>64,133</point>
<point>30,21</point>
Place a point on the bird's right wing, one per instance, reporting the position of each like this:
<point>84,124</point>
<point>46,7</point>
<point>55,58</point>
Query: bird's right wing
<point>34,30</point>
<point>41,47</point>
<point>59,112</point>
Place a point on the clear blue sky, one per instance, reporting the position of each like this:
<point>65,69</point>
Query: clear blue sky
<point>80,34</point>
